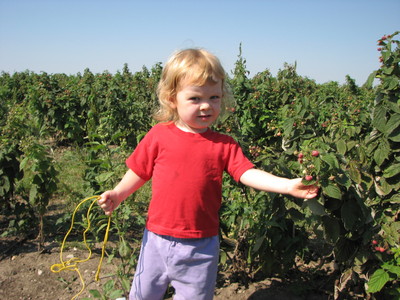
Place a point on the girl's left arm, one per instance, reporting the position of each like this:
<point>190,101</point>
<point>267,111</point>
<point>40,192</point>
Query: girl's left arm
<point>268,182</point>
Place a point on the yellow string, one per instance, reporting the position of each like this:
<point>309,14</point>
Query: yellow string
<point>72,264</point>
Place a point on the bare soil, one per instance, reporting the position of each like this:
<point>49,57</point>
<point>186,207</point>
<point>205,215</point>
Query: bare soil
<point>25,274</point>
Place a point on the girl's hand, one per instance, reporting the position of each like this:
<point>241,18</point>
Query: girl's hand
<point>299,190</point>
<point>108,202</point>
<point>267,182</point>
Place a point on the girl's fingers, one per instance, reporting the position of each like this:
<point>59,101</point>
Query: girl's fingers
<point>106,203</point>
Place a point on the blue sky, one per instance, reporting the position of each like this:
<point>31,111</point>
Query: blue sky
<point>327,39</point>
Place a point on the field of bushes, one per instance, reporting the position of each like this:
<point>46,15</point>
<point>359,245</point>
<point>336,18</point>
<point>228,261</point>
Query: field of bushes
<point>66,137</point>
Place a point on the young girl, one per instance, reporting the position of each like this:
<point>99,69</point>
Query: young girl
<point>185,160</point>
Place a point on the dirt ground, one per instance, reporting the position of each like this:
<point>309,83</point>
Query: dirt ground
<point>25,275</point>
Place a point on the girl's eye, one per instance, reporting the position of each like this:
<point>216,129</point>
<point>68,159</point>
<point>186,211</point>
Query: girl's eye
<point>194,98</point>
<point>215,98</point>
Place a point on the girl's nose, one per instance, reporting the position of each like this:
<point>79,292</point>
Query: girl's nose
<point>204,105</point>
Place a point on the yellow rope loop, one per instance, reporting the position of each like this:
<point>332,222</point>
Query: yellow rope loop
<point>72,264</point>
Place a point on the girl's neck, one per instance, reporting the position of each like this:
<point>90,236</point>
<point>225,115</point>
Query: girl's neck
<point>184,127</point>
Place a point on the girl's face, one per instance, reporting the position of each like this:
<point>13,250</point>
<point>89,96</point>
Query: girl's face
<point>197,106</point>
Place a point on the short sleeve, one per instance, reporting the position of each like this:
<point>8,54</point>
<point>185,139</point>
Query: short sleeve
<point>141,161</point>
<point>237,162</point>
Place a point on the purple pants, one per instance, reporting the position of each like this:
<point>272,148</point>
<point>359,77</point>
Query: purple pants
<point>189,265</point>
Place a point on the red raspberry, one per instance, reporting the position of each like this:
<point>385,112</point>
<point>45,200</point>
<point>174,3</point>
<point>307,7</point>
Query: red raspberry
<point>315,153</point>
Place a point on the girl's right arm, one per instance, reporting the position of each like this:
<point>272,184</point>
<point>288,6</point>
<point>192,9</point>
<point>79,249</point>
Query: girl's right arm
<point>110,200</point>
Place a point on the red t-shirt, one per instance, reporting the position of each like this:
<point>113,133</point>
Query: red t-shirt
<point>186,171</point>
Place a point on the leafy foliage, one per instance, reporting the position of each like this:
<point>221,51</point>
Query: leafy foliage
<point>345,138</point>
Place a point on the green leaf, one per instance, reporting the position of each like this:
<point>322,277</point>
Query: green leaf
<point>394,107</point>
<point>345,249</point>
<point>354,172</point>
<point>392,230</point>
<point>5,185</point>
<point>391,171</point>
<point>37,179</point>
<point>392,269</point>
<point>387,70</point>
<point>332,191</point>
<point>23,163</point>
<point>343,180</point>
<point>316,207</point>
<point>115,294</point>
<point>395,199</point>
<point>295,214</point>
<point>393,123</point>
<point>124,249</point>
<point>379,118</point>
<point>350,145</point>
<point>351,214</point>
<point>331,228</point>
<point>393,83</point>
<point>367,181</point>
<point>258,244</point>
<point>126,284</point>
<point>385,186</point>
<point>377,281</point>
<point>101,227</point>
<point>92,143</point>
<point>95,293</point>
<point>370,80</point>
<point>288,126</point>
<point>332,204</point>
<point>109,285</point>
<point>222,259</point>
<point>97,147</point>
<point>382,152</point>
<point>361,258</point>
<point>103,177</point>
<point>331,160</point>
<point>33,194</point>
<point>395,135</point>
<point>341,147</point>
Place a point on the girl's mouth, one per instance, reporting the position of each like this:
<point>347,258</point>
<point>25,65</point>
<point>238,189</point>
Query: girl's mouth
<point>204,117</point>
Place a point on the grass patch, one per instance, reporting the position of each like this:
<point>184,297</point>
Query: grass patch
<point>71,165</point>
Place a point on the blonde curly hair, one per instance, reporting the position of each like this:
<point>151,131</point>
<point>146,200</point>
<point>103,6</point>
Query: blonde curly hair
<point>196,66</point>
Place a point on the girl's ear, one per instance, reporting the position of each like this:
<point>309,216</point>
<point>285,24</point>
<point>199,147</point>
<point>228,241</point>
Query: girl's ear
<point>172,102</point>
